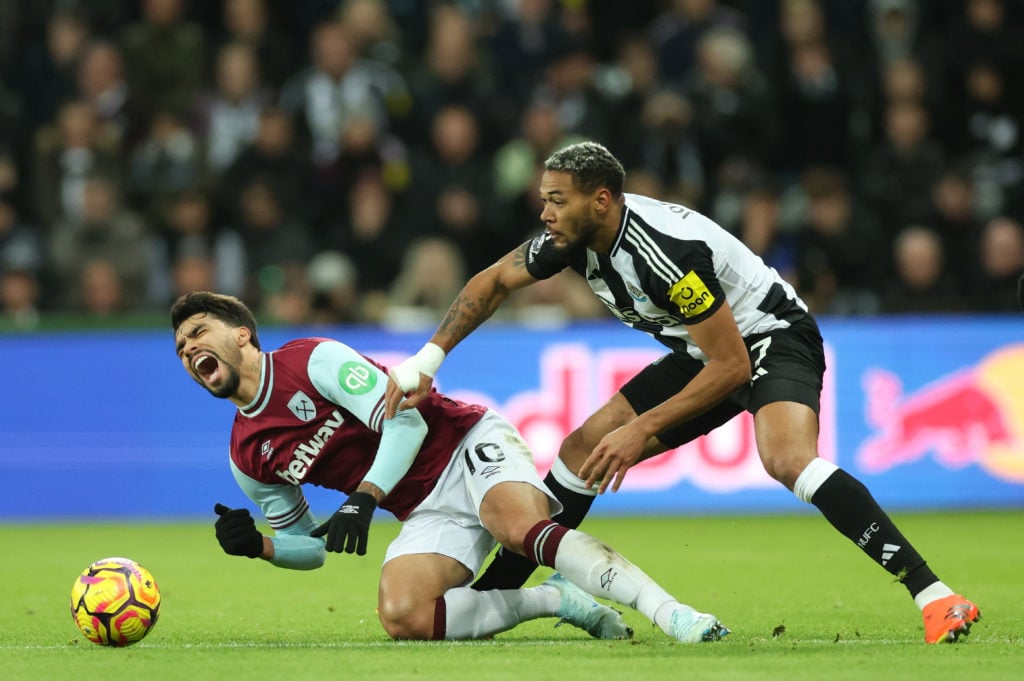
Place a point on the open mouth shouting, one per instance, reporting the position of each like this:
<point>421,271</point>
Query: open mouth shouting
<point>206,366</point>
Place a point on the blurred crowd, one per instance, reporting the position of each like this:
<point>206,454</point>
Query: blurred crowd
<point>356,160</point>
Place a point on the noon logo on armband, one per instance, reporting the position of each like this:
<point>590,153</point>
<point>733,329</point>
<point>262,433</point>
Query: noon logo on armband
<point>356,378</point>
<point>691,294</point>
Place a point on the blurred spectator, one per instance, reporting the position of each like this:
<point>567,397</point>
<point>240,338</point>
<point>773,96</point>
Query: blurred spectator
<point>193,242</point>
<point>815,103</point>
<point>898,173</point>
<point>335,289</point>
<point>168,161</point>
<point>523,46</point>
<point>897,31</point>
<point>994,289</point>
<point>732,107</point>
<point>105,232</point>
<point>248,22</point>
<point>839,267</point>
<point>48,68</point>
<point>956,217</point>
<point>627,83</point>
<point>370,232</point>
<point>165,55</point>
<point>985,128</point>
<point>101,82</point>
<point>761,230</point>
<point>568,85</point>
<point>374,34</point>
<point>19,298</point>
<point>277,243</point>
<point>676,32</point>
<point>920,281</point>
<point>669,147</point>
<point>273,159</point>
<point>20,245</point>
<point>228,116</point>
<point>433,272</point>
<point>516,161</point>
<point>984,34</point>
<point>101,290</point>
<point>21,259</point>
<point>365,148</point>
<point>452,72</point>
<point>64,155</point>
<point>335,88</point>
<point>451,191</point>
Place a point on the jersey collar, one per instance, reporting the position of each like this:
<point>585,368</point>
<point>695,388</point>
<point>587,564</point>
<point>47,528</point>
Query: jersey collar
<point>259,403</point>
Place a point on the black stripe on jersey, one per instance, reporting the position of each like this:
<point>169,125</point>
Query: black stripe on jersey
<point>623,301</point>
<point>777,303</point>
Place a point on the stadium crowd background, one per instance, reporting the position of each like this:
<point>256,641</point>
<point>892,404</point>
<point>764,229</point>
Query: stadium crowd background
<point>355,160</point>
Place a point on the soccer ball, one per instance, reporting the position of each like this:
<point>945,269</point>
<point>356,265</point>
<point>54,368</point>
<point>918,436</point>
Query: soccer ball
<point>115,602</point>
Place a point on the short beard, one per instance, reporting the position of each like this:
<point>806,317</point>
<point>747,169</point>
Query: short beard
<point>230,385</point>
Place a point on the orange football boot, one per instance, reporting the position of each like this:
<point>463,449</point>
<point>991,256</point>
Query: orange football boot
<point>946,619</point>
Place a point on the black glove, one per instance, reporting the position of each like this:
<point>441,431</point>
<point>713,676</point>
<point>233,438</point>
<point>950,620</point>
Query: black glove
<point>349,527</point>
<point>237,533</point>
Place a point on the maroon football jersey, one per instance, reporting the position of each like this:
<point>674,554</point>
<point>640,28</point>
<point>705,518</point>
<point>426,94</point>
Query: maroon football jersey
<point>292,434</point>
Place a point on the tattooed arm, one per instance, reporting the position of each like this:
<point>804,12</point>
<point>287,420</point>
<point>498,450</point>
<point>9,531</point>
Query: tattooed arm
<point>477,301</point>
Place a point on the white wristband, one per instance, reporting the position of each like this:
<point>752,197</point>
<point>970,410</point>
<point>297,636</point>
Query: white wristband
<point>427,361</point>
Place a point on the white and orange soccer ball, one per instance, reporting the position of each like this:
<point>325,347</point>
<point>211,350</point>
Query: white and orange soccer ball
<point>115,602</point>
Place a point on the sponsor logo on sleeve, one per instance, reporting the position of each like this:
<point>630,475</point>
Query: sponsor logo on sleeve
<point>356,378</point>
<point>691,294</point>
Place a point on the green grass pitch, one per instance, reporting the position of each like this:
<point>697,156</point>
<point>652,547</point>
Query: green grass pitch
<point>802,603</point>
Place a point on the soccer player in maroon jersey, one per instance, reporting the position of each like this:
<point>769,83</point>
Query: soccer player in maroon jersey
<point>459,476</point>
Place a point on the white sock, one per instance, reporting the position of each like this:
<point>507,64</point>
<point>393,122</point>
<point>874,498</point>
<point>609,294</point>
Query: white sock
<point>471,614</point>
<point>932,593</point>
<point>601,571</point>
<point>811,478</point>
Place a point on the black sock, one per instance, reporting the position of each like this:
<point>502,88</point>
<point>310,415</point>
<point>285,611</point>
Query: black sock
<point>510,570</point>
<point>849,506</point>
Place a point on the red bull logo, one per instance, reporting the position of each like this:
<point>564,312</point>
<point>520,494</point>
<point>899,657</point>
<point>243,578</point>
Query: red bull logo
<point>973,416</point>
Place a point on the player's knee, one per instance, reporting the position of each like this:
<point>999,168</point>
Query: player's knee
<point>574,451</point>
<point>786,470</point>
<point>406,617</point>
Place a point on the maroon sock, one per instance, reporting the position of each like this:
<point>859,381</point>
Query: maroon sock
<point>542,540</point>
<point>440,613</point>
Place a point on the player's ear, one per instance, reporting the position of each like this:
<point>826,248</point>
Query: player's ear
<point>242,336</point>
<point>602,199</point>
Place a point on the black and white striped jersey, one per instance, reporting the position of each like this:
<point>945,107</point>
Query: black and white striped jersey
<point>670,266</point>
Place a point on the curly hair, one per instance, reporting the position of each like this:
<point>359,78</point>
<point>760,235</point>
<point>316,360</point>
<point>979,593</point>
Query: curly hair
<point>591,165</point>
<point>228,309</point>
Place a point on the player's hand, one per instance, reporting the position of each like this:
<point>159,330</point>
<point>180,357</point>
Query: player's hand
<point>237,533</point>
<point>347,530</point>
<point>413,378</point>
<point>612,457</point>
<point>398,399</point>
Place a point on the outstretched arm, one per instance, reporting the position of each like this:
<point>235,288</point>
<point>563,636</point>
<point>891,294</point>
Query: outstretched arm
<point>477,301</point>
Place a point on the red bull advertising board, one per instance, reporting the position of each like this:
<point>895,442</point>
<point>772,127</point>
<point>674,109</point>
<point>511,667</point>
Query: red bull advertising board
<point>927,412</point>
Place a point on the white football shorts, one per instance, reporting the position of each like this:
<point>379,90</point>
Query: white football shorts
<point>448,520</point>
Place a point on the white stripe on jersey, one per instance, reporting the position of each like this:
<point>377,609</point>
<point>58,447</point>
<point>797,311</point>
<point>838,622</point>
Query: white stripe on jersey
<point>654,256</point>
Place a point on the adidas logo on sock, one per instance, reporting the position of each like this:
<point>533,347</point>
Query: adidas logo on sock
<point>888,551</point>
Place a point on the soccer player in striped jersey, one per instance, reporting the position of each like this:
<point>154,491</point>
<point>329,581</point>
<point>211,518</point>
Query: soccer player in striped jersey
<point>739,338</point>
<point>458,475</point>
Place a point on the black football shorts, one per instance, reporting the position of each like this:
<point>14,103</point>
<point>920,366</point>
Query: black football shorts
<point>787,364</point>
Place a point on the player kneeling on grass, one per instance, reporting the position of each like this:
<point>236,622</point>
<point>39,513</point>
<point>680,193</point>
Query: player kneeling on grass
<point>459,475</point>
